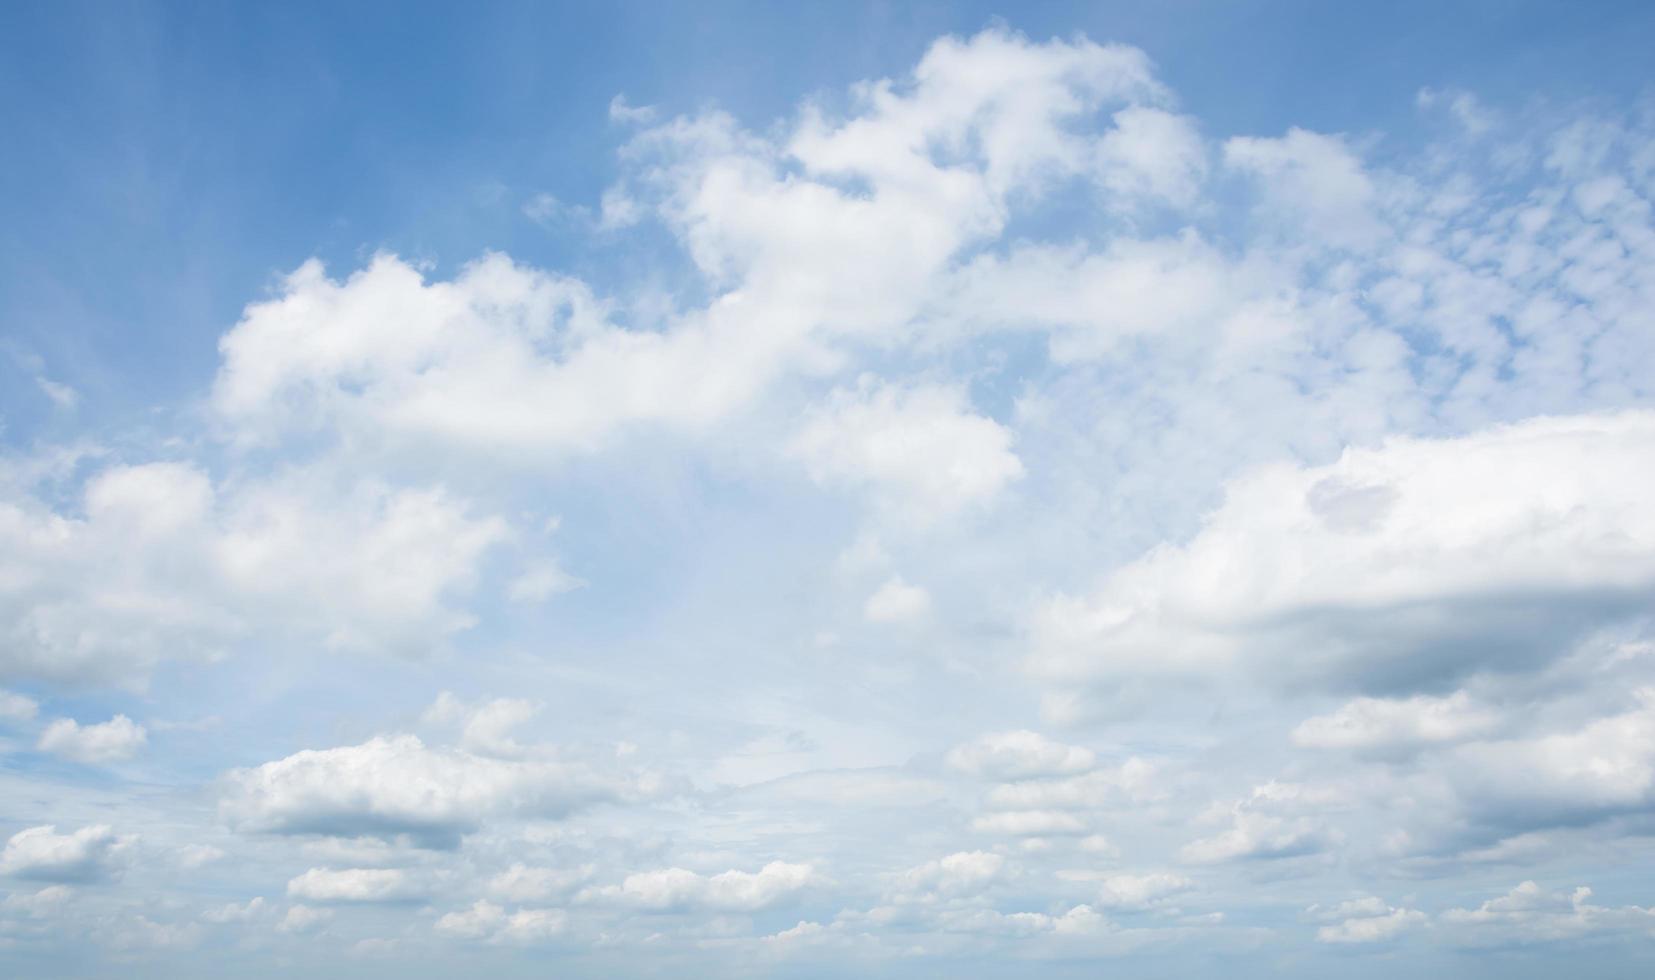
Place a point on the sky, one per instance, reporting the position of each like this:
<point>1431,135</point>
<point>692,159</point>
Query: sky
<point>822,490</point>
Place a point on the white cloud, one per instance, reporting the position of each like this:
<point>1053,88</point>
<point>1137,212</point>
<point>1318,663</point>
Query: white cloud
<point>1604,768</point>
<point>1389,725</point>
<point>488,921</point>
<point>1029,823</point>
<point>1133,780</point>
<point>522,883</point>
<point>741,891</point>
<point>233,912</point>
<point>920,449</point>
<point>394,785</point>
<point>1531,914</point>
<point>897,602</point>
<point>485,728</point>
<point>961,873</point>
<point>1140,891</point>
<point>302,919</point>
<point>1315,178</point>
<point>16,707</point>
<point>324,885</point>
<point>63,396</point>
<point>115,740</point>
<point>92,853</point>
<point>1368,920</point>
<point>161,564</point>
<point>1278,820</point>
<point>1152,154</point>
<point>1393,567</point>
<point>1020,755</point>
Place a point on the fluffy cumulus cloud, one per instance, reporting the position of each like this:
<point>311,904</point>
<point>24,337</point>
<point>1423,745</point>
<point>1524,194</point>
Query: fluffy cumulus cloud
<point>112,741</point>
<point>90,854</point>
<point>921,449</point>
<point>395,786</point>
<point>1007,519</point>
<point>673,889</point>
<point>490,922</point>
<point>1392,568</point>
<point>157,562</point>
<point>323,885</point>
<point>1367,920</point>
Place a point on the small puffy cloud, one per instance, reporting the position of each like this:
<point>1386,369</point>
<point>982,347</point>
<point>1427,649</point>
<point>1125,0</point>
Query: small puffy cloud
<point>522,883</point>
<point>541,581</point>
<point>1138,891</point>
<point>233,912</point>
<point>302,919</point>
<point>1366,920</point>
<point>1271,823</point>
<point>492,923</point>
<point>61,395</point>
<point>1153,155</point>
<point>897,602</point>
<point>1133,780</point>
<point>1388,725</point>
<point>1602,769</point>
<point>673,889</point>
<point>1314,178</point>
<point>194,856</point>
<point>392,786</point>
<point>38,905</point>
<point>93,853</point>
<point>158,563</point>
<point>486,727</point>
<point>961,873</point>
<point>1020,755</point>
<point>1029,823</point>
<point>920,450</point>
<point>1395,567</point>
<point>325,885</point>
<point>1530,914</point>
<point>16,707</point>
<point>115,740</point>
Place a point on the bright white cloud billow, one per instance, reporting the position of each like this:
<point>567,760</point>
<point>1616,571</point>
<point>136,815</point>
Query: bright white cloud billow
<point>993,517</point>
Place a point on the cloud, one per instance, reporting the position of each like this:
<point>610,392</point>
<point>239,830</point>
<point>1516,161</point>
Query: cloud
<point>1602,769</point>
<point>16,707</point>
<point>115,740</point>
<point>1152,155</point>
<point>1394,568</point>
<point>1029,823</point>
<point>1378,725</point>
<point>1130,891</point>
<point>324,885</point>
<point>897,602</point>
<point>1134,780</point>
<point>233,912</point>
<point>961,873</point>
<point>1530,914</point>
<point>1270,824</point>
<point>678,889</point>
<point>485,728</point>
<point>91,854</point>
<point>61,395</point>
<point>1314,178</point>
<point>391,786</point>
<point>161,564</point>
<point>302,919</point>
<point>1019,755</point>
<point>522,883</point>
<point>488,921</point>
<point>920,449</point>
<point>1368,920</point>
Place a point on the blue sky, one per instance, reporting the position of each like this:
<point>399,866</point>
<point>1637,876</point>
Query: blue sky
<point>822,490</point>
